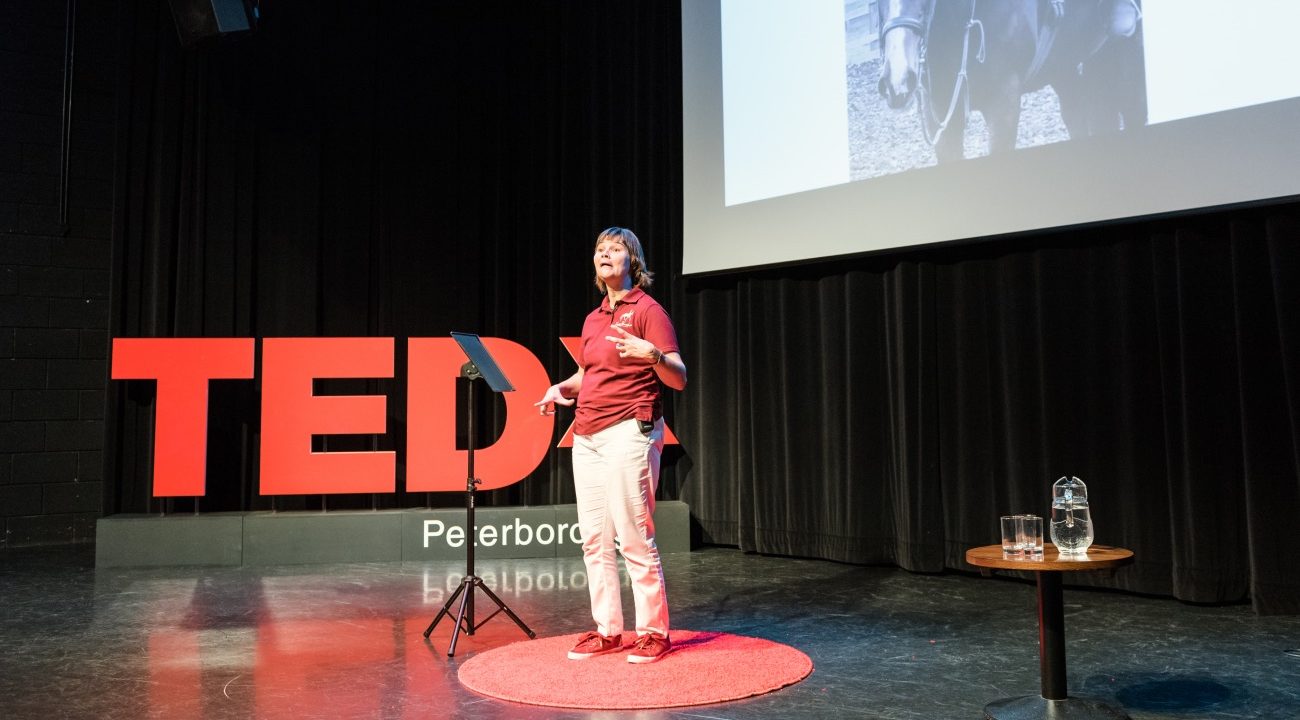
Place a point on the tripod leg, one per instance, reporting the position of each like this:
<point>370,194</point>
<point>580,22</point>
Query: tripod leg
<point>446,609</point>
<point>508,611</point>
<point>460,616</point>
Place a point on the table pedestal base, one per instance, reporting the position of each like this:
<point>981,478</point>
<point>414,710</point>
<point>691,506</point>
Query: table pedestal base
<point>1035,707</point>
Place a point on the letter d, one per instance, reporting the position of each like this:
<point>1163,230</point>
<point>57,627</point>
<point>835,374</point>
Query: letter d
<point>433,464</point>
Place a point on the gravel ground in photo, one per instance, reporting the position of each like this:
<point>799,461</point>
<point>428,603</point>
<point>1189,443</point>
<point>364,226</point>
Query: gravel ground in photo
<point>883,141</point>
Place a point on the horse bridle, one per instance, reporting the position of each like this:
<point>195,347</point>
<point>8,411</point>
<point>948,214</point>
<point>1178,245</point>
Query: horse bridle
<point>961,92</point>
<point>920,26</point>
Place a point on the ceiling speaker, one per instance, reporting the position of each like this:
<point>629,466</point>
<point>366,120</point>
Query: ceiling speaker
<point>202,21</point>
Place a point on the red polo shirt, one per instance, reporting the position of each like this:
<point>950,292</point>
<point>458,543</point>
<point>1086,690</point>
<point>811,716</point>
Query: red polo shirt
<point>615,388</point>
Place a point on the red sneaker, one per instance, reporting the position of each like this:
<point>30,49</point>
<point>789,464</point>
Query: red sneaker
<point>593,643</point>
<point>648,648</point>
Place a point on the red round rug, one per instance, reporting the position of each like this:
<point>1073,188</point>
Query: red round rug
<point>703,667</point>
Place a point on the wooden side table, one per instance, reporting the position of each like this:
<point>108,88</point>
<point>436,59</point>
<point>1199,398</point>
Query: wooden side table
<point>1055,701</point>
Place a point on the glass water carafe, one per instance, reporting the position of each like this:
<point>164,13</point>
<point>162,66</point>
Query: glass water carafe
<point>1071,528</point>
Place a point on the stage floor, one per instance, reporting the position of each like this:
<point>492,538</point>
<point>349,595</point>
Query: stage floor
<point>331,641</point>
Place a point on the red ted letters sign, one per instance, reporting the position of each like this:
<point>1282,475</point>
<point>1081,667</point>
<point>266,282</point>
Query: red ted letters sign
<point>292,414</point>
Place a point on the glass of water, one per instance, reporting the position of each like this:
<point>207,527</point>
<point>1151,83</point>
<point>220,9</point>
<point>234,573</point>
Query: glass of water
<point>1011,547</point>
<point>1029,536</point>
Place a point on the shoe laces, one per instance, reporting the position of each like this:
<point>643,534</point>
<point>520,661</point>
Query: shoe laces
<point>645,641</point>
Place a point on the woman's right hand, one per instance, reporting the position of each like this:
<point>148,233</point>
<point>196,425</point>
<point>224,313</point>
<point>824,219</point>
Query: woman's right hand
<point>552,397</point>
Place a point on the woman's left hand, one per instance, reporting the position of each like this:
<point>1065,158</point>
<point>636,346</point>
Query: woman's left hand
<point>629,345</point>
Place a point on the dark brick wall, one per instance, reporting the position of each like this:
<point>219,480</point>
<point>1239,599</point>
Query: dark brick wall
<point>54,278</point>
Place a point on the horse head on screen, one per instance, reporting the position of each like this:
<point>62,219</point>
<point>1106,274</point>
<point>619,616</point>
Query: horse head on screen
<point>904,25</point>
<point>956,56</point>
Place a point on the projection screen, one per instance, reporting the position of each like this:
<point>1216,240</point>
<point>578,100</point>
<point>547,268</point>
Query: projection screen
<point>1123,108</point>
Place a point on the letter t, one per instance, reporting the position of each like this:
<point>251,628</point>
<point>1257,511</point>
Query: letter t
<point>182,367</point>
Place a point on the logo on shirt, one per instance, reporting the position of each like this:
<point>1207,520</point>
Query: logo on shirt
<point>624,320</point>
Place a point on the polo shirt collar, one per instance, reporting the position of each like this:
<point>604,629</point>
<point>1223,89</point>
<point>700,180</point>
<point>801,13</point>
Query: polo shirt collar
<point>631,297</point>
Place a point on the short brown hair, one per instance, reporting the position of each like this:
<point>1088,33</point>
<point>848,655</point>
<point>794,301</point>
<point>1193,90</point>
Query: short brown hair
<point>641,275</point>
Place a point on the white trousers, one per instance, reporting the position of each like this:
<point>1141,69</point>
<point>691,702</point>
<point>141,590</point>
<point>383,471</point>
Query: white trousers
<point>615,473</point>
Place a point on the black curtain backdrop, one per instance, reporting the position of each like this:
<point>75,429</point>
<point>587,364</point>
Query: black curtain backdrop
<point>407,169</point>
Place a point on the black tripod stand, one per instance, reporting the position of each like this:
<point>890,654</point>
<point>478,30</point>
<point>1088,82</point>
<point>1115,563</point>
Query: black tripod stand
<point>480,365</point>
